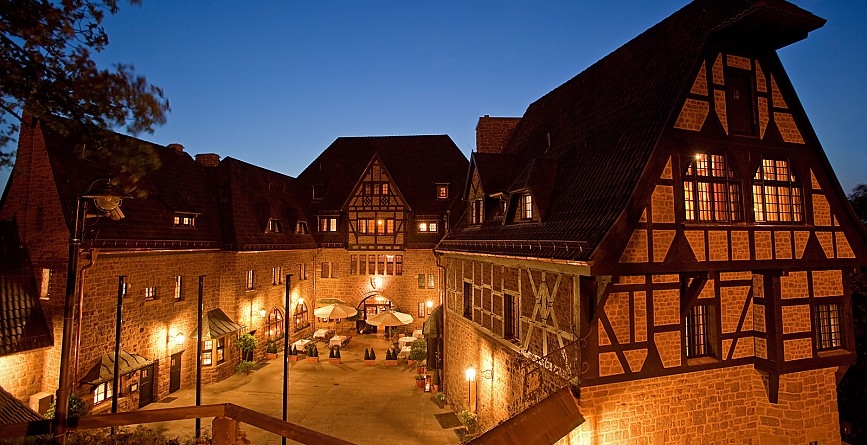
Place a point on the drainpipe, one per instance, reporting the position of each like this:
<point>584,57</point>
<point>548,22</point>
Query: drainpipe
<point>77,345</point>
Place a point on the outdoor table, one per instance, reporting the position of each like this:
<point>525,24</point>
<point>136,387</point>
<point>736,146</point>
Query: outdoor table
<point>404,351</point>
<point>417,333</point>
<point>405,341</point>
<point>337,340</point>
<point>321,333</point>
<point>301,344</point>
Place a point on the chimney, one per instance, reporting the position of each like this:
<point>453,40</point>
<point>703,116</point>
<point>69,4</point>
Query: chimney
<point>208,159</point>
<point>492,133</point>
<point>176,147</point>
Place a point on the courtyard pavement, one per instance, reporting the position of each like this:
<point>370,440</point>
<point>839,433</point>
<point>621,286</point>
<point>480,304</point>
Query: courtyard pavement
<point>361,404</point>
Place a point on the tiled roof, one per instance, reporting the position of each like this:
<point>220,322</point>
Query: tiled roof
<point>415,163</point>
<point>13,411</point>
<point>215,324</point>
<point>250,196</point>
<point>23,326</point>
<point>103,370</point>
<point>161,180</point>
<point>599,129</point>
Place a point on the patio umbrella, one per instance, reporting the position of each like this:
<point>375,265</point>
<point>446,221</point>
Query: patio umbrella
<point>335,310</point>
<point>390,318</point>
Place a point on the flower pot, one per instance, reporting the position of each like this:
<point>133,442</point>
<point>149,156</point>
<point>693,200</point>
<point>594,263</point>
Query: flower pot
<point>312,359</point>
<point>410,362</point>
<point>293,358</point>
<point>334,361</point>
<point>369,362</point>
<point>419,383</point>
<point>419,370</point>
<point>270,356</point>
<point>391,363</point>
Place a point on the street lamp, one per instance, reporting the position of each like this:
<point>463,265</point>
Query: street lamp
<point>106,197</point>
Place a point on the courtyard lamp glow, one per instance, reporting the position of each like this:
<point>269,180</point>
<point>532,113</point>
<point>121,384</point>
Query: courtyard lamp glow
<point>106,198</point>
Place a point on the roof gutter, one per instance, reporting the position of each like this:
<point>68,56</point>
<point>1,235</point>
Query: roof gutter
<point>516,257</point>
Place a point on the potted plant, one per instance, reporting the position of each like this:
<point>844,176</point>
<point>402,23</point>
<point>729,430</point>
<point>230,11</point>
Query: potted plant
<point>469,419</point>
<point>312,353</point>
<point>390,357</point>
<point>334,355</point>
<point>271,350</point>
<point>247,344</point>
<point>369,357</point>
<point>440,399</point>
<point>293,353</point>
<point>418,353</point>
<point>419,380</point>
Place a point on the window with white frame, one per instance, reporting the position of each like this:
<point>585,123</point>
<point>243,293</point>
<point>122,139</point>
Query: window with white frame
<point>476,211</point>
<point>526,206</point>
<point>275,226</point>
<point>101,393</point>
<point>327,223</point>
<point>184,219</point>
<point>428,227</point>
<point>150,293</point>
<point>301,228</point>
<point>208,352</point>
<point>776,193</point>
<point>442,191</point>
<point>277,275</point>
<point>221,349</point>
<point>431,281</point>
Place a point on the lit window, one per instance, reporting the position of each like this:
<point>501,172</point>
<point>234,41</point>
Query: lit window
<point>697,332</point>
<point>179,288</point>
<point>371,264</point>
<point>45,284</point>
<point>828,335</point>
<point>711,192</point>
<point>442,191</point>
<point>102,393</point>
<point>275,226</point>
<point>389,226</point>
<point>150,293</point>
<point>428,227</point>
<point>385,189</point>
<point>380,264</point>
<point>527,206</point>
<point>207,352</point>
<point>302,271</point>
<point>389,264</point>
<point>277,275</point>
<point>431,281</point>
<point>300,315</point>
<point>250,279</point>
<point>421,281</point>
<point>327,224</point>
<point>398,264</point>
<point>301,228</point>
<point>476,211</point>
<point>776,194</point>
<point>185,219</point>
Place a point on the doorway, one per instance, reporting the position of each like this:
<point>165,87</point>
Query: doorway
<point>175,372</point>
<point>146,386</point>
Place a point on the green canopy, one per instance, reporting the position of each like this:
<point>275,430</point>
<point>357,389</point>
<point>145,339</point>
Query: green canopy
<point>216,324</point>
<point>103,370</point>
<point>433,327</point>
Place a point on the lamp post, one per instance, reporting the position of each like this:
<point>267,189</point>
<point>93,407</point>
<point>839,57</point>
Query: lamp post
<point>115,389</point>
<point>106,197</point>
<point>286,308</point>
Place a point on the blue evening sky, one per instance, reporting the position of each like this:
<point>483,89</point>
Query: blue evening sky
<point>273,83</point>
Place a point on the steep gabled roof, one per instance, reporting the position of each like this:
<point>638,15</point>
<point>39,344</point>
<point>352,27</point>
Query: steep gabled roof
<point>415,163</point>
<point>249,197</point>
<point>601,127</point>
<point>161,180</point>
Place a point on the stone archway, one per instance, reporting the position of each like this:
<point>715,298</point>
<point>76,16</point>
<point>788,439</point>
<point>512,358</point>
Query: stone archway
<point>371,304</point>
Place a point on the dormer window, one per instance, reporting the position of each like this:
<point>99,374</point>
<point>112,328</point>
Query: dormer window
<point>318,192</point>
<point>476,211</point>
<point>275,226</point>
<point>185,219</point>
<point>776,193</point>
<point>327,223</point>
<point>301,228</point>
<point>428,227</point>
<point>442,191</point>
<point>526,206</point>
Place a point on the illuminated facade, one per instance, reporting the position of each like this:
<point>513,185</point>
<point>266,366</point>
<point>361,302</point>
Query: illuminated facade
<point>664,236</point>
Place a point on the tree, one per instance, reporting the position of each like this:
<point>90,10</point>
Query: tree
<point>47,70</point>
<point>858,199</point>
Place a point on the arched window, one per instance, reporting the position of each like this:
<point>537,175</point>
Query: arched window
<point>711,191</point>
<point>300,315</point>
<point>275,324</point>
<point>776,193</point>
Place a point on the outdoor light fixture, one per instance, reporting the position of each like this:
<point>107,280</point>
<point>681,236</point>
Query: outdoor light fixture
<point>471,374</point>
<point>471,388</point>
<point>263,313</point>
<point>428,380</point>
<point>178,339</point>
<point>106,197</point>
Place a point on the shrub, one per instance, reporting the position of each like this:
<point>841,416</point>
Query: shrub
<point>372,354</point>
<point>337,352</point>
<point>440,397</point>
<point>366,354</point>
<point>418,350</point>
<point>77,407</point>
<point>244,367</point>
<point>468,418</point>
<point>271,348</point>
<point>293,350</point>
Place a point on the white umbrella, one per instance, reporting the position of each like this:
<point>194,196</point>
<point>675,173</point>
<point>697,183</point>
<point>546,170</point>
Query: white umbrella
<point>390,318</point>
<point>335,310</point>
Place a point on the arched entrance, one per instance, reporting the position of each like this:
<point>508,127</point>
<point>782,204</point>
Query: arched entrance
<point>372,304</point>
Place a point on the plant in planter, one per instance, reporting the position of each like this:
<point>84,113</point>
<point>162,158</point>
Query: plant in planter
<point>440,399</point>
<point>469,419</point>
<point>76,407</point>
<point>247,344</point>
<point>419,380</point>
<point>369,357</point>
<point>418,353</point>
<point>312,353</point>
<point>334,355</point>
<point>271,350</point>
<point>293,353</point>
<point>244,367</point>
<point>391,357</point>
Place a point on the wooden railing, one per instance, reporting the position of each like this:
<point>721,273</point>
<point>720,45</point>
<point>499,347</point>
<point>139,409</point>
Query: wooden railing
<point>224,428</point>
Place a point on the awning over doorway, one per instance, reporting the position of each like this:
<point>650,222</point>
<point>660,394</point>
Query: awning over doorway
<point>103,370</point>
<point>433,327</point>
<point>544,423</point>
<point>216,324</point>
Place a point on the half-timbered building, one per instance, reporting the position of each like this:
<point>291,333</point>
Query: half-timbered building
<point>663,235</point>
